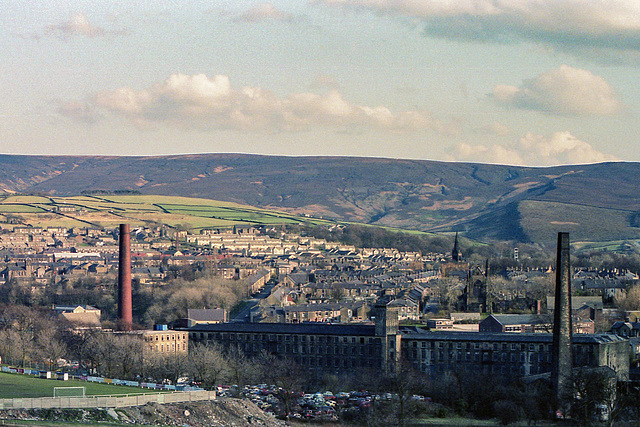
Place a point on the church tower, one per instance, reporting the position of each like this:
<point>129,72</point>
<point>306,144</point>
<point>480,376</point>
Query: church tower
<point>456,254</point>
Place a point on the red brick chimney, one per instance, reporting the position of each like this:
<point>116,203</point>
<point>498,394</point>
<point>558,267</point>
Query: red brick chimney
<point>125,307</point>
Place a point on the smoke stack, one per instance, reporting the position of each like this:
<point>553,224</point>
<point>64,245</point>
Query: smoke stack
<point>125,308</point>
<point>562,357</point>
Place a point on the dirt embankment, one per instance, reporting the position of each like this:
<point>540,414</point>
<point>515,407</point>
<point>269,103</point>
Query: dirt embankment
<point>225,412</point>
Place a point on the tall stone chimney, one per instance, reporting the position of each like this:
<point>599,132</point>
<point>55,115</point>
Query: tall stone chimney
<point>125,306</point>
<point>562,357</point>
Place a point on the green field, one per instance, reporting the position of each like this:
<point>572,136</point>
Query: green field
<point>20,208</point>
<point>18,386</point>
<point>139,210</point>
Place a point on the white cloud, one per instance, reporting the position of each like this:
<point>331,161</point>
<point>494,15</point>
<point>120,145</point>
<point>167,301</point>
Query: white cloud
<point>561,148</point>
<point>495,128</point>
<point>80,111</point>
<point>265,12</point>
<point>568,24</point>
<point>77,25</point>
<point>565,90</point>
<point>487,154</point>
<point>325,81</point>
<point>204,102</point>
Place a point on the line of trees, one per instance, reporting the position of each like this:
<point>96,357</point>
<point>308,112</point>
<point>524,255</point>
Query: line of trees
<point>160,303</point>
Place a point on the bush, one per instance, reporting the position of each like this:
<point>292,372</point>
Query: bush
<point>507,411</point>
<point>442,412</point>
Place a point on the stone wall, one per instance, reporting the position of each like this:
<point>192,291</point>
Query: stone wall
<point>116,401</point>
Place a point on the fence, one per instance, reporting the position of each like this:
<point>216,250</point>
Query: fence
<point>115,401</point>
<point>64,376</point>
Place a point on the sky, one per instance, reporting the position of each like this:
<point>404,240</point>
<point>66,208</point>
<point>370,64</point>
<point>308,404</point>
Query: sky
<point>518,82</point>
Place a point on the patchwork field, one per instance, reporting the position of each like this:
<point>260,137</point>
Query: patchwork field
<point>138,210</point>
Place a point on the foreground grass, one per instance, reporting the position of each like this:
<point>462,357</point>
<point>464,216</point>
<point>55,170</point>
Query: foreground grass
<point>14,386</point>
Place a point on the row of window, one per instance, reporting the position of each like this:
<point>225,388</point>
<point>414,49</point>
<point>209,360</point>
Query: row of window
<point>478,345</point>
<point>476,356</point>
<point>166,337</point>
<point>160,348</point>
<point>221,336</point>
<point>486,369</point>
<point>362,351</point>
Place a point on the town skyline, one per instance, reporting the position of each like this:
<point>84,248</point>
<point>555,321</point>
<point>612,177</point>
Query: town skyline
<point>524,83</point>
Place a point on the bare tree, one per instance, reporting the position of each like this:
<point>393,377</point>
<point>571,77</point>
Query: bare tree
<point>630,300</point>
<point>240,368</point>
<point>130,353</point>
<point>403,381</point>
<point>117,355</point>
<point>50,346</point>
<point>169,367</point>
<point>104,353</point>
<point>15,347</point>
<point>207,364</point>
<point>286,375</point>
<point>22,325</point>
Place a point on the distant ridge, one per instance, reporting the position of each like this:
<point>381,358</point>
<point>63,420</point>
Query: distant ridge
<point>594,202</point>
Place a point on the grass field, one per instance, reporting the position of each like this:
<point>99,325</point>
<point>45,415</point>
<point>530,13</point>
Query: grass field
<point>20,208</point>
<point>139,210</point>
<point>17,386</point>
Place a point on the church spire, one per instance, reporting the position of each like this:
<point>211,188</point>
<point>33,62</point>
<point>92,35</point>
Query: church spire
<point>456,255</point>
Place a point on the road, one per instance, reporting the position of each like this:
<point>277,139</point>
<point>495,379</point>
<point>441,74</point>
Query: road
<point>244,314</point>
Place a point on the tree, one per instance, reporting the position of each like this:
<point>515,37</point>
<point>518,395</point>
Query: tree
<point>593,389</point>
<point>240,367</point>
<point>630,300</point>
<point>207,364</point>
<point>174,299</point>
<point>130,353</point>
<point>15,347</point>
<point>104,353</point>
<point>16,292</point>
<point>286,375</point>
<point>403,381</point>
<point>169,367</point>
<point>449,290</point>
<point>337,293</point>
<point>22,325</point>
<point>50,346</point>
<point>116,355</point>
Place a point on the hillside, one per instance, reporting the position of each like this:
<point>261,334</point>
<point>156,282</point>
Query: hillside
<point>137,210</point>
<point>594,202</point>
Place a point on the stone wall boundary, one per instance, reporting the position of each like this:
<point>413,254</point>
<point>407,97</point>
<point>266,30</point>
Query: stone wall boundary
<point>111,401</point>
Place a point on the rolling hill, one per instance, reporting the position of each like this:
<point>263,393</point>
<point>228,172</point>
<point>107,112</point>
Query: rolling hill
<point>594,202</point>
<point>148,210</point>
